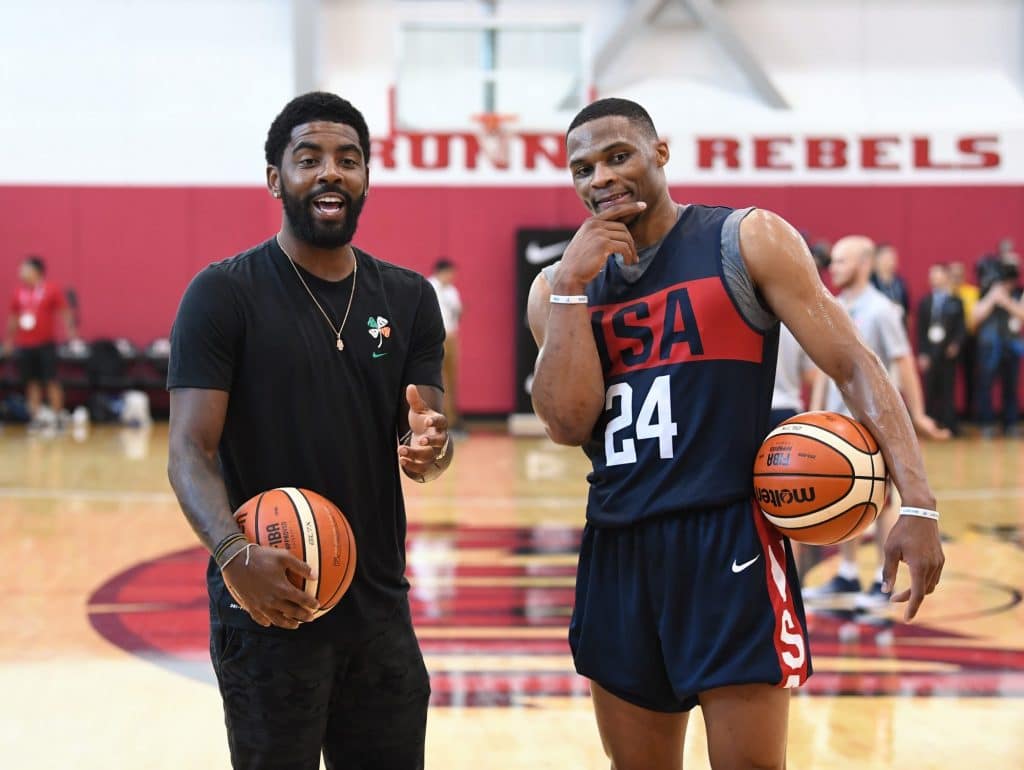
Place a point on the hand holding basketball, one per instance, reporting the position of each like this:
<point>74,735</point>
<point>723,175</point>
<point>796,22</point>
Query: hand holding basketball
<point>915,541</point>
<point>262,587</point>
<point>429,434</point>
<point>597,239</point>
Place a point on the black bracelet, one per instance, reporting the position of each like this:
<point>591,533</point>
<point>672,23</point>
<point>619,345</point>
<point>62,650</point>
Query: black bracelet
<point>226,543</point>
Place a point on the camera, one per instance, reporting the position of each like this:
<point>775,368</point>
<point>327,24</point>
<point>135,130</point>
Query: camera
<point>990,270</point>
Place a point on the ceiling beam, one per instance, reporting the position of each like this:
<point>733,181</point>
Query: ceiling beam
<point>636,18</point>
<point>710,17</point>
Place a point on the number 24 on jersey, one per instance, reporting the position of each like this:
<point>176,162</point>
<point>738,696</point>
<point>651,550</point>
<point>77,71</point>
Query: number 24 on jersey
<point>654,421</point>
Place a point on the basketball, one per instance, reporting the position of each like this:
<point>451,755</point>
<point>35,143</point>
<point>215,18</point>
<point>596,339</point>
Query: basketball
<point>313,529</point>
<point>820,478</point>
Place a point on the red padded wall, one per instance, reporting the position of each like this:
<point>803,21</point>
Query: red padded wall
<point>130,251</point>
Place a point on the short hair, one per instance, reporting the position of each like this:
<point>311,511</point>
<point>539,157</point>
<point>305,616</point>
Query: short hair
<point>316,105</point>
<point>443,264</point>
<point>880,247</point>
<point>604,108</point>
<point>36,262</point>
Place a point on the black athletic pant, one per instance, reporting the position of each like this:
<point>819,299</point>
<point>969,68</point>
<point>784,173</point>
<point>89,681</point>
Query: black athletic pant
<point>939,394</point>
<point>286,699</point>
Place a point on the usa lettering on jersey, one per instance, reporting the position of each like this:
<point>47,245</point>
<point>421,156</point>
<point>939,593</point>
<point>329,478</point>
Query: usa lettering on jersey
<point>688,321</point>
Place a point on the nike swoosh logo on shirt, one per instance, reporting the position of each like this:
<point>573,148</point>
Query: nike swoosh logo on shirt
<point>379,355</point>
<point>737,568</point>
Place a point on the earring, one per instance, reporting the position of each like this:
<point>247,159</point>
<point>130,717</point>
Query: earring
<point>277,193</point>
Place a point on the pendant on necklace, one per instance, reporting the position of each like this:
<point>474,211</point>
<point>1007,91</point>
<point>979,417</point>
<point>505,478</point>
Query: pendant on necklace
<point>341,345</point>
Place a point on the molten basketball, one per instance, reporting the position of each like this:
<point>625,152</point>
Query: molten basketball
<point>820,478</point>
<point>313,529</point>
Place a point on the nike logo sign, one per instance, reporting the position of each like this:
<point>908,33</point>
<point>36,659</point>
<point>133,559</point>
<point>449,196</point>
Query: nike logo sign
<point>738,568</point>
<point>379,355</point>
<point>538,255</point>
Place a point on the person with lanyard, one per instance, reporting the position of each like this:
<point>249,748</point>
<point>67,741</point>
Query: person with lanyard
<point>32,333</point>
<point>968,294</point>
<point>941,331</point>
<point>888,281</point>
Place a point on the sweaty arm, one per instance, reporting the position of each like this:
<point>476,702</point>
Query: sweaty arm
<point>781,266</point>
<point>568,382</point>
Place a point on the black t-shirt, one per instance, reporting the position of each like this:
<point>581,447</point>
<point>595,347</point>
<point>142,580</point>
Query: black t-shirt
<point>301,413</point>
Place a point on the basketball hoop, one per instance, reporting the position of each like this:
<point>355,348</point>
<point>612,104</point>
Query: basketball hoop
<point>494,136</point>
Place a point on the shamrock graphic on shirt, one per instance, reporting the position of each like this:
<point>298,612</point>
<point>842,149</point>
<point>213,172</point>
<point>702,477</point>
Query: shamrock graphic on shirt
<point>379,329</point>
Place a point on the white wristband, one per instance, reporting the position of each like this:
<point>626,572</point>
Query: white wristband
<point>923,513</point>
<point>569,299</point>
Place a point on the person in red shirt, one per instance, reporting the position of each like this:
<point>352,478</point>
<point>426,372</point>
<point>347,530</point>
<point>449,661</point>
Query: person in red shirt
<point>32,330</point>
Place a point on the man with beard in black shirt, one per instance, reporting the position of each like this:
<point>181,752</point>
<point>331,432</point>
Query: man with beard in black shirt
<point>307,362</point>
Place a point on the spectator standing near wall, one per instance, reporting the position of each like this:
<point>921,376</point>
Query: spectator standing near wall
<point>998,316</point>
<point>886,279</point>
<point>968,295</point>
<point>443,281</point>
<point>940,337</point>
<point>32,333</point>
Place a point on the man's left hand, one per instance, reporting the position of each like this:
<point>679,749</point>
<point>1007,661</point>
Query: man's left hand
<point>916,541</point>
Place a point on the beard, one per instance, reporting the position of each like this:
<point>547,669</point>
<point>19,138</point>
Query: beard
<point>322,235</point>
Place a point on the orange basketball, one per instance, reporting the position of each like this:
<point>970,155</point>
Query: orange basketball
<point>313,529</point>
<point>820,478</point>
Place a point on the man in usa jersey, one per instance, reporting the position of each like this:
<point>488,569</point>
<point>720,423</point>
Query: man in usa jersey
<point>658,333</point>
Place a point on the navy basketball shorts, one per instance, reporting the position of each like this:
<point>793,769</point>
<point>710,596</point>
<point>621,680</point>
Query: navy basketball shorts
<point>673,606</point>
<point>287,698</point>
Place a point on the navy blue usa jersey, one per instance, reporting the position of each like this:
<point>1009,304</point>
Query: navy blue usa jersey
<point>688,353</point>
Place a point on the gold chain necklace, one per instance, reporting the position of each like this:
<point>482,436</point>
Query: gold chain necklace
<point>355,269</point>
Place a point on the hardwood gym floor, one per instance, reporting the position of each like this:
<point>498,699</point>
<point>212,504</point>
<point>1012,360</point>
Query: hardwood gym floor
<point>103,657</point>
